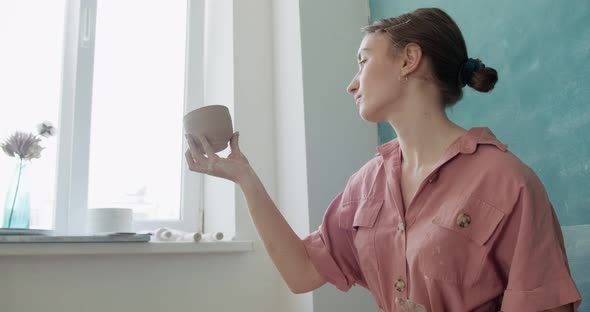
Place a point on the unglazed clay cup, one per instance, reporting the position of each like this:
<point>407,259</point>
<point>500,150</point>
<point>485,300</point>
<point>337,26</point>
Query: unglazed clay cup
<point>213,122</point>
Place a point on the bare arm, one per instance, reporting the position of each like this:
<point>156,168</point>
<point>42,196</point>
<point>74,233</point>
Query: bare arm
<point>283,245</point>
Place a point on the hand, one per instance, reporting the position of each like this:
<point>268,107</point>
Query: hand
<point>231,168</point>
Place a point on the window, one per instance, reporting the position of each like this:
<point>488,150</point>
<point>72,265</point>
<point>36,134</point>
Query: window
<point>31,63</point>
<point>136,140</point>
<point>115,79</point>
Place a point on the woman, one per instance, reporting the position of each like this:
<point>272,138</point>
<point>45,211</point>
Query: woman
<point>443,218</point>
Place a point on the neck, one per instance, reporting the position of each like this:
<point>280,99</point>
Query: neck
<point>424,133</point>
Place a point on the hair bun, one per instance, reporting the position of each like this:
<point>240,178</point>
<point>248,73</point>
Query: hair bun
<point>479,77</point>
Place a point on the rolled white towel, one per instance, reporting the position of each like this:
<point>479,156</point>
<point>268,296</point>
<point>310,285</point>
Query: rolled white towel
<point>163,235</point>
<point>176,235</point>
<point>201,237</point>
<point>172,235</point>
<point>212,236</point>
<point>192,237</point>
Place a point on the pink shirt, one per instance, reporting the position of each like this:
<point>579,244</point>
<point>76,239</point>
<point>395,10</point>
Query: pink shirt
<point>479,235</point>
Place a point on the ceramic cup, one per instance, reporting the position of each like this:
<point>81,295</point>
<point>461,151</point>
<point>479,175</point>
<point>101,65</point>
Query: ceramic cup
<point>109,220</point>
<point>213,122</point>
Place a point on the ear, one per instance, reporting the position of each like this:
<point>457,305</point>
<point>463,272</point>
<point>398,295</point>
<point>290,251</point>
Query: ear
<point>412,56</point>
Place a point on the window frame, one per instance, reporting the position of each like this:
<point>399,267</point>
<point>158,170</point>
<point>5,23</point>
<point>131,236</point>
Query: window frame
<point>75,115</point>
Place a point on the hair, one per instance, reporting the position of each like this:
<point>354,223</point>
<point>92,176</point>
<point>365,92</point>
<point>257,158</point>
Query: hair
<point>441,41</point>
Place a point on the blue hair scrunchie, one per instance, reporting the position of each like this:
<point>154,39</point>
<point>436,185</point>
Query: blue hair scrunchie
<point>469,67</point>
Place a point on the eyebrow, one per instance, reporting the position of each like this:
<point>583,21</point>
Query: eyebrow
<point>358,56</point>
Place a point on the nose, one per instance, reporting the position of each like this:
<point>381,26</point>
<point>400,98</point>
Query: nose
<point>353,86</point>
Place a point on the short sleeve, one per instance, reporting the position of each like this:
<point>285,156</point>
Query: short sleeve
<point>532,248</point>
<point>330,249</point>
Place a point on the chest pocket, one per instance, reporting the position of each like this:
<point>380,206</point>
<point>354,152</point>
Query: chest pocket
<point>361,220</point>
<point>457,244</point>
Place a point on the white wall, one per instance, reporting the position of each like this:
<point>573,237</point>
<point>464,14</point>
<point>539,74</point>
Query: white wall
<point>151,283</point>
<point>338,142</point>
<point>300,104</point>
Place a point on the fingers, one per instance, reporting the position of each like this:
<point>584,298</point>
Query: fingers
<point>192,165</point>
<point>234,142</point>
<point>208,149</point>
<point>202,166</point>
<point>195,151</point>
<point>194,156</point>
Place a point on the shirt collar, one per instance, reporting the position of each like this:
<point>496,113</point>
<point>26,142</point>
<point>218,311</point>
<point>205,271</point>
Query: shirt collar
<point>466,144</point>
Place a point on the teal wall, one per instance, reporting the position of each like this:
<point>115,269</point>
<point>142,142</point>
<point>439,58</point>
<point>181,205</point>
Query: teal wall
<point>541,50</point>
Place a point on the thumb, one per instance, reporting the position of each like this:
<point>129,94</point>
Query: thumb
<point>234,142</point>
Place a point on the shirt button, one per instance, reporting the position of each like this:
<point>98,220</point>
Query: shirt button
<point>400,227</point>
<point>463,220</point>
<point>400,285</point>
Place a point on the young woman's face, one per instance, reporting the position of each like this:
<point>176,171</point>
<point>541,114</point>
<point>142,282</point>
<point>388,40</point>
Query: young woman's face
<point>376,86</point>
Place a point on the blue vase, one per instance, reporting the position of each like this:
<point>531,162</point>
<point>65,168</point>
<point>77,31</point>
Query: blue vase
<point>17,205</point>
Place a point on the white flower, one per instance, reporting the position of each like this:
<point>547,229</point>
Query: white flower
<point>46,129</point>
<point>24,145</point>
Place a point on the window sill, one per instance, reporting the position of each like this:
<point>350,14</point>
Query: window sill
<point>127,248</point>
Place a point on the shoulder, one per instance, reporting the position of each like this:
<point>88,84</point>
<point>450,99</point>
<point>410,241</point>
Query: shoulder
<point>506,165</point>
<point>506,177</point>
<point>360,184</point>
<point>491,157</point>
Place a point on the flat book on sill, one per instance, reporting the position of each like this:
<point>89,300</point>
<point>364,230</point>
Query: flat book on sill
<point>110,238</point>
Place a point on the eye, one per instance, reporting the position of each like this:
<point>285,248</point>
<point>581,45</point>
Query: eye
<point>361,62</point>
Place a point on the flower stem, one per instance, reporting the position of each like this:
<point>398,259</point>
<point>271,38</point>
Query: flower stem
<point>20,170</point>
